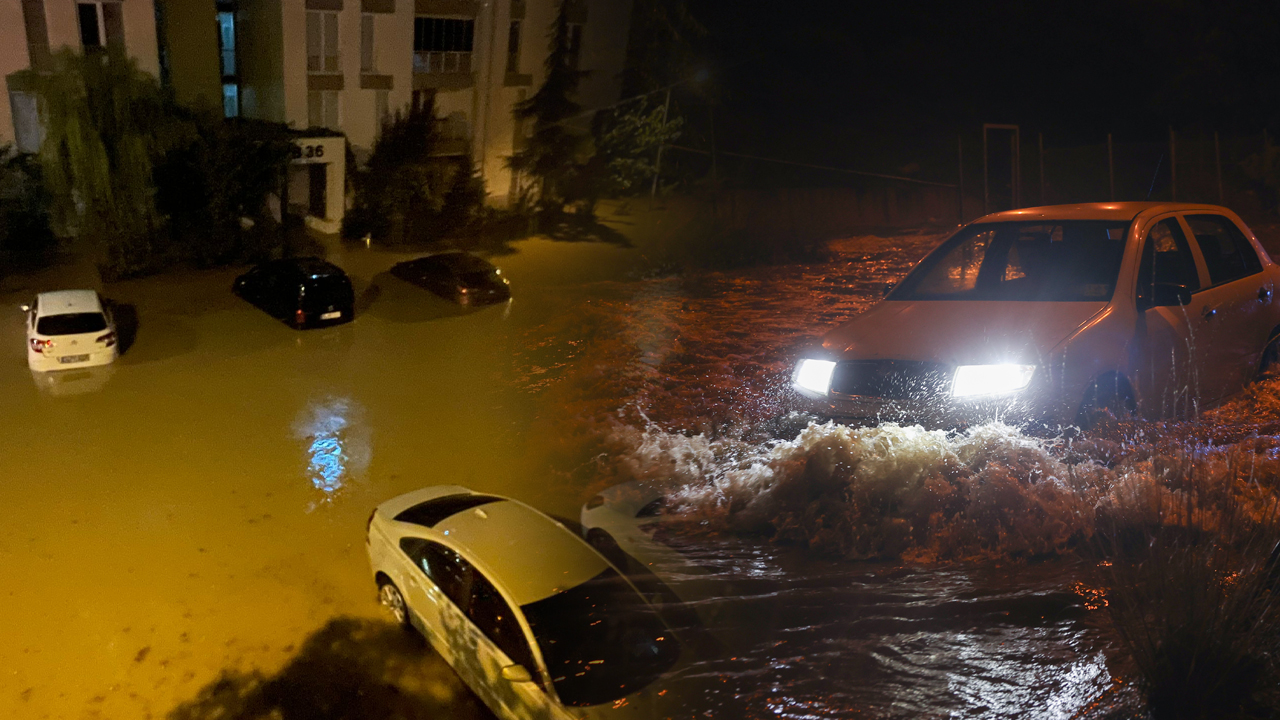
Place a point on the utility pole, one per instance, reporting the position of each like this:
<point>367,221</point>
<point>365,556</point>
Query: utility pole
<point>657,167</point>
<point>1111,168</point>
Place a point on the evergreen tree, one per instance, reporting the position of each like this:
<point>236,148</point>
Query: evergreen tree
<point>551,154</point>
<point>661,47</point>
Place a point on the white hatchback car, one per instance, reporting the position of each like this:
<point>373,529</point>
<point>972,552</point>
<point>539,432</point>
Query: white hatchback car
<point>69,329</point>
<point>533,619</point>
<point>1055,316</point>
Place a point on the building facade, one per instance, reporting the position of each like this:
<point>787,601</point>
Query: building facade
<point>32,30</point>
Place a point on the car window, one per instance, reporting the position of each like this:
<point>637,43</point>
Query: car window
<point>495,618</point>
<point>1063,261</point>
<point>71,323</point>
<point>1166,259</point>
<point>446,568</point>
<point>1228,254</point>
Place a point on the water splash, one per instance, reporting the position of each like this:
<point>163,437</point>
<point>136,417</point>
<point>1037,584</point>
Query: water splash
<point>337,443</point>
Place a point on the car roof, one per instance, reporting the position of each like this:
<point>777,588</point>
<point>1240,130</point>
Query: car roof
<point>64,302</point>
<point>313,266</point>
<point>1126,211</point>
<point>533,556</point>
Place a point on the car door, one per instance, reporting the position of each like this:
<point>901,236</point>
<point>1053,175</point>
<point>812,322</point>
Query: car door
<point>1168,333</point>
<point>499,642</point>
<point>1235,321</point>
<point>438,586</point>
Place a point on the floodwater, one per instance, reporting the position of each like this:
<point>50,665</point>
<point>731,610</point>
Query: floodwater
<point>184,531</point>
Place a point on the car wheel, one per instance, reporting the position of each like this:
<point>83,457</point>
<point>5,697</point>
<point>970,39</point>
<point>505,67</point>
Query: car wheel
<point>1108,399</point>
<point>389,596</point>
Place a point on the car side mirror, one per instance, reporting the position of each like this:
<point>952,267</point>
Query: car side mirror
<point>1168,294</point>
<point>516,674</point>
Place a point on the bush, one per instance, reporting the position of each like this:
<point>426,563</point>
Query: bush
<point>26,238</point>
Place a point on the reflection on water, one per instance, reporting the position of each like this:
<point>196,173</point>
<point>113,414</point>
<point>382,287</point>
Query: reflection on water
<point>337,443</point>
<point>63,383</point>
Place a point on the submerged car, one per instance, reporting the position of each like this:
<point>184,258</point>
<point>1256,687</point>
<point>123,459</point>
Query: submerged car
<point>1058,316</point>
<point>456,276</point>
<point>533,619</point>
<point>69,329</point>
<point>304,292</point>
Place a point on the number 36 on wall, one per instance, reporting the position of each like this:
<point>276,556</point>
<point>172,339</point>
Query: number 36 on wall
<point>308,152</point>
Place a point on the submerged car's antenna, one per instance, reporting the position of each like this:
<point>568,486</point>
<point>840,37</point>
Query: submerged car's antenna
<point>1154,175</point>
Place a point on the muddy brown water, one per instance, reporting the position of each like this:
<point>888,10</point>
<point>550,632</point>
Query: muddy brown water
<point>184,530</point>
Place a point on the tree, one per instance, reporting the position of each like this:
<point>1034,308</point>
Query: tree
<point>661,46</point>
<point>25,235</point>
<point>106,125</point>
<point>551,156</point>
<point>626,141</point>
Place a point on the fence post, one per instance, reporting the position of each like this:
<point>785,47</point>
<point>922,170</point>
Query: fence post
<point>986,184</point>
<point>657,166</point>
<point>1111,168</point>
<point>1173,165</point>
<point>960,175</point>
<point>1217,161</point>
<point>1040,141</point>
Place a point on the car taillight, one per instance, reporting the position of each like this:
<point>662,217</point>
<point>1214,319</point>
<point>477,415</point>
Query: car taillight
<point>300,317</point>
<point>109,339</point>
<point>39,345</point>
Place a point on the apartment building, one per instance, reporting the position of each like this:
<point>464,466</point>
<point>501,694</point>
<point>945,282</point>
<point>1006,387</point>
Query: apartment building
<point>348,65</point>
<point>31,30</point>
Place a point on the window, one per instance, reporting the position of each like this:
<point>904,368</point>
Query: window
<point>1074,261</point>
<point>1227,252</point>
<point>442,45</point>
<point>495,618</point>
<point>1166,260</point>
<point>90,24</point>
<point>231,100</point>
<point>322,109</point>
<point>227,42</point>
<point>513,47</point>
<point>574,46</point>
<point>368,63</point>
<point>28,131</point>
<point>322,42</point>
<point>443,566</point>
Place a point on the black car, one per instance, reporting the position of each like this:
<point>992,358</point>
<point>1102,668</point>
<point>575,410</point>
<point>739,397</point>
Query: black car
<point>457,276</point>
<point>304,292</point>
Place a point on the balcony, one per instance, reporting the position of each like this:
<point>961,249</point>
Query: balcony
<point>441,63</point>
<point>442,70</point>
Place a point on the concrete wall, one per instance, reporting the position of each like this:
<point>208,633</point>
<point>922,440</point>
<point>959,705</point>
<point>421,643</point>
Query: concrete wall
<point>261,57</point>
<point>191,36</point>
<point>13,57</point>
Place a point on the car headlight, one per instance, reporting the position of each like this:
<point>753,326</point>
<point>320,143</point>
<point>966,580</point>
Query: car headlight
<point>815,375</point>
<point>975,380</point>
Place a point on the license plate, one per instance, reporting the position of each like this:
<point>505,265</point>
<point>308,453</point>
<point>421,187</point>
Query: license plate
<point>73,358</point>
<point>331,315</point>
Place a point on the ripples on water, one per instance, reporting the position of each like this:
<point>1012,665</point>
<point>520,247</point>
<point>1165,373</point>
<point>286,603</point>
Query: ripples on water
<point>913,573</point>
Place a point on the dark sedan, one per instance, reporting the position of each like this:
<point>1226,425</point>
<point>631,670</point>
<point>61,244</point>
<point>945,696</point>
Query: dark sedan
<point>304,292</point>
<point>457,276</point>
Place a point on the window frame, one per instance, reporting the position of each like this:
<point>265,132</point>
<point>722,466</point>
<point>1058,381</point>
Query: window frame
<point>325,20</point>
<point>1184,245</point>
<point>1207,280</point>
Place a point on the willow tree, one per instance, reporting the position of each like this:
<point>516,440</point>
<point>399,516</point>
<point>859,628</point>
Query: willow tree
<point>550,157</point>
<point>106,124</point>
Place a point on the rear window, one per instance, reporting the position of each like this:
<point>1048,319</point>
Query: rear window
<point>71,324</point>
<point>431,512</point>
<point>329,290</point>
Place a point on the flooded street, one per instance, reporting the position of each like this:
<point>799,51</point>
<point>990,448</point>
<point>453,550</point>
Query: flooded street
<point>185,530</point>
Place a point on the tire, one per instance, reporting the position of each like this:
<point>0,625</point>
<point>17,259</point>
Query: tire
<point>1270,361</point>
<point>1107,399</point>
<point>390,597</point>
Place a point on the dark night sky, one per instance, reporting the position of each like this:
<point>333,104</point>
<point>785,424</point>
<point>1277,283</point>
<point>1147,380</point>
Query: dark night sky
<point>850,81</point>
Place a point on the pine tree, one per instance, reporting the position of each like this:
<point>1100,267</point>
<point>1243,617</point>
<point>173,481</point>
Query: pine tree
<point>551,154</point>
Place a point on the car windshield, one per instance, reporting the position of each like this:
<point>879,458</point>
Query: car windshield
<point>1045,260</point>
<point>600,640</point>
<point>71,323</point>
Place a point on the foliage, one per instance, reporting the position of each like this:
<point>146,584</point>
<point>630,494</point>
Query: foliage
<point>26,237</point>
<point>1193,579</point>
<point>551,155</point>
<point>626,148</point>
<point>406,192</point>
<point>218,178</point>
<point>660,46</point>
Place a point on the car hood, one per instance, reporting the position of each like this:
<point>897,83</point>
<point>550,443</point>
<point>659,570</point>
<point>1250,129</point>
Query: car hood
<point>958,333</point>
